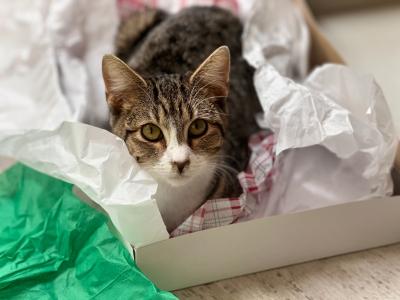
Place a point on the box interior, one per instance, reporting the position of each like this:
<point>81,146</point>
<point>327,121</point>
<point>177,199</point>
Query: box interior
<point>276,241</point>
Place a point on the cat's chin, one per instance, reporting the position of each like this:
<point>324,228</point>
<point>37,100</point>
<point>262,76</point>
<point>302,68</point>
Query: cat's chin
<point>173,180</point>
<point>177,180</point>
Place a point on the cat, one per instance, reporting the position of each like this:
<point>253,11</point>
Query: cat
<point>182,98</point>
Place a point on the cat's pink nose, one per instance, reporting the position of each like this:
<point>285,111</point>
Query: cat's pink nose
<point>180,165</point>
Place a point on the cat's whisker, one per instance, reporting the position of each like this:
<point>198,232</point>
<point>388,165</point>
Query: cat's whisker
<point>222,165</point>
<point>201,89</point>
<point>229,177</point>
<point>223,157</point>
<point>202,100</point>
<point>194,88</point>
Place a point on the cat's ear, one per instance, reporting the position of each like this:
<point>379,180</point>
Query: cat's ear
<point>123,85</point>
<point>213,73</point>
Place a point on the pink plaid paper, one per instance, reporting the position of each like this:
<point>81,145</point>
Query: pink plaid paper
<point>213,213</point>
<point>259,177</point>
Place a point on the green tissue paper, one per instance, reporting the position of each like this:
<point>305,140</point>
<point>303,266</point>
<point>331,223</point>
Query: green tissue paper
<point>54,246</point>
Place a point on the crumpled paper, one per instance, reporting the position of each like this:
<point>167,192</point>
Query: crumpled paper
<point>47,85</point>
<point>81,33</point>
<point>336,140</point>
<point>335,137</point>
<point>99,163</point>
<point>29,87</point>
<point>53,246</point>
<point>275,33</point>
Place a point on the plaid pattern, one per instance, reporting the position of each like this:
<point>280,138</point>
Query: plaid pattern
<point>261,171</point>
<point>258,178</point>
<point>125,7</point>
<point>213,213</point>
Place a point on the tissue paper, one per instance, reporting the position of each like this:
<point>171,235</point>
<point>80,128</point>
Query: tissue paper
<point>47,84</point>
<point>335,137</point>
<point>275,33</point>
<point>99,163</point>
<point>53,246</point>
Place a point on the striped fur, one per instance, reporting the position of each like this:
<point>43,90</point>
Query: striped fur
<point>172,77</point>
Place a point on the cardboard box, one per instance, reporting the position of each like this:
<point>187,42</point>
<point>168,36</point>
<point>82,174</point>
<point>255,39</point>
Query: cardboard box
<point>275,241</point>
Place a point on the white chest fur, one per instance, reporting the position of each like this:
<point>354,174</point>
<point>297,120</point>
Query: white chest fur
<point>177,203</point>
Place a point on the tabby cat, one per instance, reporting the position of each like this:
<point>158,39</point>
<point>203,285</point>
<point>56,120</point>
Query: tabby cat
<point>181,96</point>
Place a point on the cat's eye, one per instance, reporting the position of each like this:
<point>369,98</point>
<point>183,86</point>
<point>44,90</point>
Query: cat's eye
<point>151,132</point>
<point>197,128</point>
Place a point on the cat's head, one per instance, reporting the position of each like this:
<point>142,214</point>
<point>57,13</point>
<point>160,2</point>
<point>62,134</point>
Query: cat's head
<point>172,124</point>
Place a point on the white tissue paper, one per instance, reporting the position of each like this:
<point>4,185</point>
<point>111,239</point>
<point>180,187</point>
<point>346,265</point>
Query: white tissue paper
<point>335,137</point>
<point>50,78</point>
<point>275,33</point>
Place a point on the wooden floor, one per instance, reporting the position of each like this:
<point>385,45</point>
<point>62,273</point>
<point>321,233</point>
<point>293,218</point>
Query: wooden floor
<point>372,274</point>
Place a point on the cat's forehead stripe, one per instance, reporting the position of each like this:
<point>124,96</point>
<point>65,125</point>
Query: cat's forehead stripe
<point>169,103</point>
<point>155,91</point>
<point>172,103</point>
